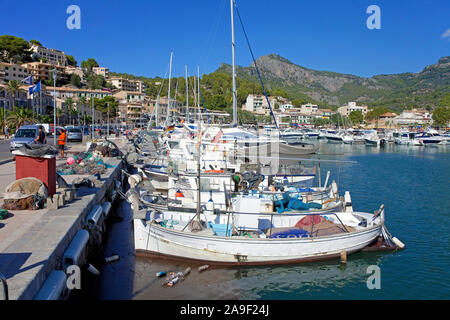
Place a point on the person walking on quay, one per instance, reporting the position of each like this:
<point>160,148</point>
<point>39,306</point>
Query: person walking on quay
<point>40,139</point>
<point>61,142</point>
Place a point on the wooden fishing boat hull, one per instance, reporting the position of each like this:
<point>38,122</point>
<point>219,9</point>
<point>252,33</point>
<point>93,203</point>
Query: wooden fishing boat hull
<point>156,240</point>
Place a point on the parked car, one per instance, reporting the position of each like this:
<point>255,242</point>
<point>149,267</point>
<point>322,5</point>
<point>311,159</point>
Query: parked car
<point>74,134</point>
<point>24,135</point>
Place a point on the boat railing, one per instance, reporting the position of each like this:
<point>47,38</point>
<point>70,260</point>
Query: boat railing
<point>322,192</point>
<point>313,214</point>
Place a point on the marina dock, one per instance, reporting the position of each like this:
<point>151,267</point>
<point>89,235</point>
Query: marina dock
<point>32,242</point>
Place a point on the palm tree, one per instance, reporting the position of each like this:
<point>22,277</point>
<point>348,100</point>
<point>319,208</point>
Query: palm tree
<point>13,87</point>
<point>19,116</point>
<point>2,118</point>
<point>73,114</point>
<point>69,105</point>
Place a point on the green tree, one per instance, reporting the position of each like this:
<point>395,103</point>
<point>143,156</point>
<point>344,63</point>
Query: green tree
<point>102,105</point>
<point>36,43</point>
<point>19,116</point>
<point>45,118</point>
<point>445,101</point>
<point>441,116</point>
<point>356,117</point>
<point>75,80</point>
<point>217,102</point>
<point>14,49</point>
<point>376,112</point>
<point>95,81</point>
<point>71,61</point>
<point>88,65</point>
<point>2,119</point>
<point>13,88</point>
<point>298,102</point>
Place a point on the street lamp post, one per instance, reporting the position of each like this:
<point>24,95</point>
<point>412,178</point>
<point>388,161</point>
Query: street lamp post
<point>107,128</point>
<point>54,106</point>
<point>93,118</point>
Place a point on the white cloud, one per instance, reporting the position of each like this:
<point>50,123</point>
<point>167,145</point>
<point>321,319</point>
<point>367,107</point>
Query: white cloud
<point>446,34</point>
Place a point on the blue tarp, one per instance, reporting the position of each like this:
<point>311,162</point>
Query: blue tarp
<point>291,233</point>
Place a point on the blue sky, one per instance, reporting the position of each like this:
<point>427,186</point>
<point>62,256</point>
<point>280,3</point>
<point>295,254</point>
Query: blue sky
<point>137,36</point>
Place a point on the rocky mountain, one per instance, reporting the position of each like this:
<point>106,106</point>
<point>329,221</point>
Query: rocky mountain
<point>334,88</point>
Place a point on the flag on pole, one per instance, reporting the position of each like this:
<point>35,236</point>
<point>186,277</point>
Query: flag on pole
<point>28,80</point>
<point>35,88</point>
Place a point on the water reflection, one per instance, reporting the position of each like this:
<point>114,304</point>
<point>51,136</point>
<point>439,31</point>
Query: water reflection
<point>393,175</point>
<point>252,282</point>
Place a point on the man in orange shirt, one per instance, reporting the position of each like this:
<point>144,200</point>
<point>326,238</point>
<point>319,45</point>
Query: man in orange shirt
<point>61,142</point>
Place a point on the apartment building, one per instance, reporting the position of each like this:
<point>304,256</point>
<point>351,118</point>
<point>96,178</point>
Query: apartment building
<point>74,70</point>
<point>413,117</point>
<point>53,56</point>
<point>20,97</point>
<point>350,107</point>
<point>75,94</point>
<point>101,71</point>
<point>10,71</point>
<point>127,84</point>
<point>257,104</point>
<point>309,108</point>
<point>43,70</point>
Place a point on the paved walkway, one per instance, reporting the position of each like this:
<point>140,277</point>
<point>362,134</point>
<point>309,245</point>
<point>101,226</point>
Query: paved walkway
<point>28,238</point>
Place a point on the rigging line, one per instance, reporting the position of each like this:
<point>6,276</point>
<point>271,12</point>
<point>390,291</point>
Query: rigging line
<point>164,79</point>
<point>193,91</point>
<point>256,66</point>
<point>216,27</point>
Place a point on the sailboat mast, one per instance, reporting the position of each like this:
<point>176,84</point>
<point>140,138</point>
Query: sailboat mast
<point>175,97</point>
<point>233,66</point>
<point>157,110</point>
<point>198,93</point>
<point>187,96</point>
<point>168,94</point>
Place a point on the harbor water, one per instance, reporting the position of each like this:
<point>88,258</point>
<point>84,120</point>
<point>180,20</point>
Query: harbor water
<point>412,183</point>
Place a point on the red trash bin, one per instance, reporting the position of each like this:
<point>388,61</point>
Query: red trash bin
<point>43,168</point>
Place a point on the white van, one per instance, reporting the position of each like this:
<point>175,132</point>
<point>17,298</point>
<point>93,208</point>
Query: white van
<point>46,127</point>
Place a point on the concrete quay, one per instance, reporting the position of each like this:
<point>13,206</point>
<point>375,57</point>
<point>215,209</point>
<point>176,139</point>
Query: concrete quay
<point>32,242</point>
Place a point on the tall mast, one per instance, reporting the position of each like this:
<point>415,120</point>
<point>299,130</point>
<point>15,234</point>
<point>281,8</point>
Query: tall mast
<point>233,65</point>
<point>198,92</point>
<point>187,96</point>
<point>175,97</point>
<point>195,93</point>
<point>168,94</point>
<point>157,111</point>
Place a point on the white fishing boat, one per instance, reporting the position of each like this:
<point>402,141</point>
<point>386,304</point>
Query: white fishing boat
<point>243,242</point>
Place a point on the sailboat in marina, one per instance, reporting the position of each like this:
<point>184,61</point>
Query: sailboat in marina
<point>249,226</point>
